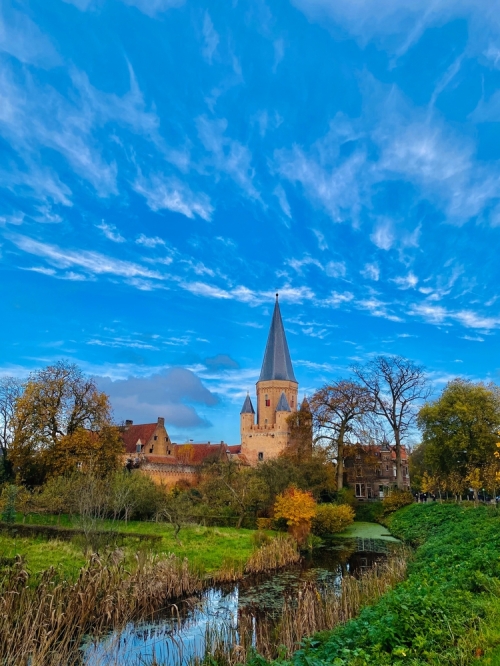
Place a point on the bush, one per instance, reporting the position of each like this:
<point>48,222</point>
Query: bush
<point>332,518</point>
<point>396,500</point>
<point>346,496</point>
<point>260,539</point>
<point>264,523</point>
<point>370,512</point>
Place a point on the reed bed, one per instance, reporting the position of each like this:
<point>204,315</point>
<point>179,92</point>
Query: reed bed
<point>43,619</point>
<point>278,553</point>
<point>43,622</point>
<point>310,611</point>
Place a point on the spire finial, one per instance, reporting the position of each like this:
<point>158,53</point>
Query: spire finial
<point>276,296</point>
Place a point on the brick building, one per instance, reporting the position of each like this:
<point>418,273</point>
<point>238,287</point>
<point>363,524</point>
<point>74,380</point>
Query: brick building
<point>370,470</point>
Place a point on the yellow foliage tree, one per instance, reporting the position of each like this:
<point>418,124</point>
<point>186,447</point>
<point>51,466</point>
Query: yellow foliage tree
<point>475,481</point>
<point>298,508</point>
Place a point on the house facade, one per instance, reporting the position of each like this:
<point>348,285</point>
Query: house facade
<point>370,470</point>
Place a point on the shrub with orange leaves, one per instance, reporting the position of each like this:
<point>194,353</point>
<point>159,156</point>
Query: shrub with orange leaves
<point>298,508</point>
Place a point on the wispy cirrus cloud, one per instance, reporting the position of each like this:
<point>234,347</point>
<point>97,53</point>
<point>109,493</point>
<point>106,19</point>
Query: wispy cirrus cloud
<point>169,193</point>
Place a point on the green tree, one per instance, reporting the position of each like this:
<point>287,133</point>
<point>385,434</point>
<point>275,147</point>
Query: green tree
<point>10,390</point>
<point>460,428</point>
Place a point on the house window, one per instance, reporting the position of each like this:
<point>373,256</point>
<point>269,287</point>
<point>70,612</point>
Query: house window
<point>168,452</point>
<point>260,455</point>
<point>369,491</point>
<point>387,468</point>
<point>394,472</point>
<point>155,437</point>
<point>151,450</point>
<point>377,472</point>
<point>360,490</point>
<point>359,472</point>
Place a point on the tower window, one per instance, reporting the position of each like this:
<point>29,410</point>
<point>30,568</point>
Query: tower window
<point>268,402</point>
<point>265,421</point>
<point>155,437</point>
<point>260,455</point>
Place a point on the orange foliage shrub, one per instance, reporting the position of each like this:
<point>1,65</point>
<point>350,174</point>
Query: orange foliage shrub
<point>298,508</point>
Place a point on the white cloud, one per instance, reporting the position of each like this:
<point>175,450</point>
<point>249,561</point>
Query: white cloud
<point>399,25</point>
<point>210,36</point>
<point>335,269</point>
<point>227,155</point>
<point>377,308</point>
<point>409,281</point>
<point>280,193</point>
<point>148,241</point>
<point>23,39</point>
<point>111,232</point>
<point>154,7</point>
<point>336,299</point>
<point>383,235</point>
<point>473,338</point>
<point>371,272</point>
<point>436,314</point>
<point>169,193</point>
<point>93,262</point>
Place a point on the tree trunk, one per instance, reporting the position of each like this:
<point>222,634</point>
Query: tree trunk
<point>399,468</point>
<point>340,459</point>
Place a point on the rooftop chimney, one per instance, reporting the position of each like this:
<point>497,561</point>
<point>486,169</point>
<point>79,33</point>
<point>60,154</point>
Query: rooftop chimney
<point>128,423</point>
<point>161,421</point>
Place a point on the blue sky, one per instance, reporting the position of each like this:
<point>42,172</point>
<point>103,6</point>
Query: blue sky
<point>167,166</point>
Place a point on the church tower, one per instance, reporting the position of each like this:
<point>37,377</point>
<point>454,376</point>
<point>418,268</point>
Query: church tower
<point>277,391</point>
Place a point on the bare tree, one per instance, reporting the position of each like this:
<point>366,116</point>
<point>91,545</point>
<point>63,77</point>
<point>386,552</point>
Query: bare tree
<point>335,409</point>
<point>10,390</point>
<point>397,386</point>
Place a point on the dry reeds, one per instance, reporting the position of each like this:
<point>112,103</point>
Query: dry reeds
<point>278,553</point>
<point>304,614</point>
<point>45,623</point>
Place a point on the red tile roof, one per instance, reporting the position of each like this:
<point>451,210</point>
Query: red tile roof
<point>131,435</point>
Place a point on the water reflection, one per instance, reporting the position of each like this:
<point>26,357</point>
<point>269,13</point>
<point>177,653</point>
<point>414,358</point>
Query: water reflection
<point>178,636</point>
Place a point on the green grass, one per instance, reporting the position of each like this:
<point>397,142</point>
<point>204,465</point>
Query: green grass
<point>362,530</point>
<point>207,548</point>
<point>446,613</point>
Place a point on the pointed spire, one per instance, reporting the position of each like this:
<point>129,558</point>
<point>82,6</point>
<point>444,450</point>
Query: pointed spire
<point>247,406</point>
<point>304,405</point>
<point>283,405</point>
<point>277,363</point>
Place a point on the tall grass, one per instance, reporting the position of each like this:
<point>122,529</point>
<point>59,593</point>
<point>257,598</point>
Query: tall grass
<point>43,622</point>
<point>44,619</point>
<point>310,611</point>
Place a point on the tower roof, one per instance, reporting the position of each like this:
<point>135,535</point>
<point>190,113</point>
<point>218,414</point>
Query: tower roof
<point>283,405</point>
<point>277,363</point>
<point>247,406</point>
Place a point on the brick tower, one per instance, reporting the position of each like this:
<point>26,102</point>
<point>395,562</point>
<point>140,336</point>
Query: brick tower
<point>277,391</point>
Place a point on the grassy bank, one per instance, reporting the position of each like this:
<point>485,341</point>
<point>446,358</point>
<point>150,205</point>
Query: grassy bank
<point>447,612</point>
<point>209,549</point>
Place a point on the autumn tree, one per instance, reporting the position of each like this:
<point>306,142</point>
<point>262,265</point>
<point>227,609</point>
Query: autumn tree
<point>10,391</point>
<point>300,424</point>
<point>460,428</point>
<point>396,386</point>
<point>238,490</point>
<point>59,414</point>
<point>335,409</point>
<point>298,508</point>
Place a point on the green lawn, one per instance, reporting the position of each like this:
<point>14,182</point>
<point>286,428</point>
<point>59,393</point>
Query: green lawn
<point>207,548</point>
<point>364,530</point>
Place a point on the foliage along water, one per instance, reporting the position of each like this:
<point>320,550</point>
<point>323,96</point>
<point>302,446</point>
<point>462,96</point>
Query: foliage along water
<point>178,636</point>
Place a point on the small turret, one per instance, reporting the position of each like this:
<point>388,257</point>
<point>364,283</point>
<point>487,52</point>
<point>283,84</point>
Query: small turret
<point>247,414</point>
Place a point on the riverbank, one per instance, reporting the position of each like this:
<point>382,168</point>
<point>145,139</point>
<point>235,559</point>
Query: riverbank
<point>446,613</point>
<point>209,549</point>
